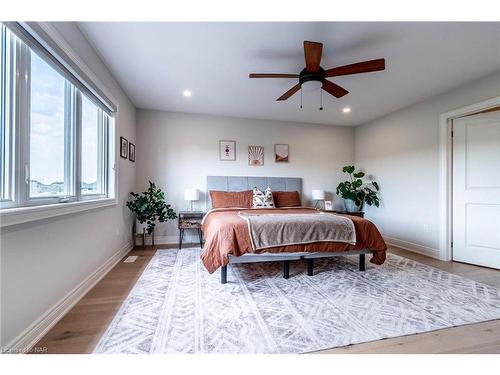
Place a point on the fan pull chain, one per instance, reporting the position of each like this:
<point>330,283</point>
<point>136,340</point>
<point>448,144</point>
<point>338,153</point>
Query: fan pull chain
<point>320,99</point>
<point>301,98</point>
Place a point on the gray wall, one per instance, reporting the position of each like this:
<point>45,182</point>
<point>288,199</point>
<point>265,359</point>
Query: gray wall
<point>179,150</point>
<point>42,261</point>
<point>401,150</point>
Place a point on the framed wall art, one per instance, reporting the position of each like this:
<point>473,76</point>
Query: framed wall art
<point>227,150</point>
<point>123,148</point>
<point>131,152</point>
<point>256,155</point>
<point>281,153</point>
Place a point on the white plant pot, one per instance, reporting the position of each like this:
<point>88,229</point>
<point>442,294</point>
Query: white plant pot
<point>140,227</point>
<point>350,206</point>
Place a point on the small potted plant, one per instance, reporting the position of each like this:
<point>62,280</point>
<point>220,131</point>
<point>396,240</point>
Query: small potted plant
<point>356,192</point>
<point>150,207</point>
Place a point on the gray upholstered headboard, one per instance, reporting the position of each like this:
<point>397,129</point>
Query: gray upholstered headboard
<point>240,183</point>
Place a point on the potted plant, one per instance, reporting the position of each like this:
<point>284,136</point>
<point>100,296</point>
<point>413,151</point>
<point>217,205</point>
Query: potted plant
<point>356,192</point>
<point>150,207</point>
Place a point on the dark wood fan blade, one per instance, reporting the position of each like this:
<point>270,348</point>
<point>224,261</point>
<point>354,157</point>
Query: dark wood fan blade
<point>312,53</point>
<point>290,92</point>
<point>334,89</point>
<point>361,67</point>
<point>272,75</point>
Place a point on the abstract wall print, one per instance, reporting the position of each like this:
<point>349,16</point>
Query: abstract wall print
<point>131,152</point>
<point>123,148</point>
<point>256,155</point>
<point>281,153</point>
<point>227,150</point>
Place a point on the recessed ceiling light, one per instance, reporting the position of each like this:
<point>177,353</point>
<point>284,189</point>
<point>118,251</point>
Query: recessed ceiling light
<point>187,93</point>
<point>346,109</point>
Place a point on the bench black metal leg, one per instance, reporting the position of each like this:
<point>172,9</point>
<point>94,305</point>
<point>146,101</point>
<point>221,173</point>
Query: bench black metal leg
<point>223,275</point>
<point>286,269</point>
<point>362,266</point>
<point>181,236</point>
<point>309,267</point>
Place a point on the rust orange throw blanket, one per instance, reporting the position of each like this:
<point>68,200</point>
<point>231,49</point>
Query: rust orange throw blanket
<point>227,233</point>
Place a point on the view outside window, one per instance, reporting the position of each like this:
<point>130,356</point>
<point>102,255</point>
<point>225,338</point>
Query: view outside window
<point>91,148</point>
<point>47,127</point>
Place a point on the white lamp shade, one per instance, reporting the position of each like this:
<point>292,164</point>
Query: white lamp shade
<point>318,195</point>
<point>311,85</point>
<point>191,195</point>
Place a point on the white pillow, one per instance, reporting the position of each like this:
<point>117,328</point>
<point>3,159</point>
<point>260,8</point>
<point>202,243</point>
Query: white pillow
<point>263,199</point>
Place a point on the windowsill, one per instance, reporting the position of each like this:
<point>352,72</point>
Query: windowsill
<point>19,215</point>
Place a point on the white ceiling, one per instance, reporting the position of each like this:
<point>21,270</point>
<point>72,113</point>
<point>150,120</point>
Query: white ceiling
<point>155,62</point>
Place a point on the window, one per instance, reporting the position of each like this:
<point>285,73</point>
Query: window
<point>56,138</point>
<point>49,128</point>
<point>93,149</point>
<point>6,77</point>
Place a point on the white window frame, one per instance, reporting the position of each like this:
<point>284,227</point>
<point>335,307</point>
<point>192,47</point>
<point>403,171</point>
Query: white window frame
<point>25,209</point>
<point>7,137</point>
<point>103,127</point>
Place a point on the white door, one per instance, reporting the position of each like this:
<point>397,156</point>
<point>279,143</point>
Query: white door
<point>476,189</point>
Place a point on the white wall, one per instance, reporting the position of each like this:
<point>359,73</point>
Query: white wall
<point>179,150</point>
<point>42,261</point>
<point>401,150</point>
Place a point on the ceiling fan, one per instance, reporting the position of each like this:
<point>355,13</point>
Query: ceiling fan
<point>313,76</point>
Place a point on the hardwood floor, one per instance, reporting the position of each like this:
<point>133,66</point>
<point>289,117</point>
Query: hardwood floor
<point>80,329</point>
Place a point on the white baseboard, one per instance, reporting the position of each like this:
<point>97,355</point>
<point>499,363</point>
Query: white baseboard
<point>410,246</point>
<point>170,240</point>
<point>35,331</point>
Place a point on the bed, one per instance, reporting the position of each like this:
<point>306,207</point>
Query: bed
<point>228,238</point>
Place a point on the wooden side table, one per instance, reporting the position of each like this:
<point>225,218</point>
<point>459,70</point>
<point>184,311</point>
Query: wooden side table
<point>356,213</point>
<point>190,220</point>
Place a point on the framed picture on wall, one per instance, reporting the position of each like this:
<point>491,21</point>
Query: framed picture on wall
<point>281,153</point>
<point>256,155</point>
<point>227,150</point>
<point>131,152</point>
<point>123,148</point>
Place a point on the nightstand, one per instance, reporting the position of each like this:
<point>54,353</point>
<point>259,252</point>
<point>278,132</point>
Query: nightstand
<point>190,220</point>
<point>356,213</point>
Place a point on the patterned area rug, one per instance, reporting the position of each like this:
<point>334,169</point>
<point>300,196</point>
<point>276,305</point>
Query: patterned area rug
<point>177,307</point>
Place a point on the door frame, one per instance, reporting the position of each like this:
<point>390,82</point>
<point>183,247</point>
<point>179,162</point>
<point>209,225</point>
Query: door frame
<point>445,171</point>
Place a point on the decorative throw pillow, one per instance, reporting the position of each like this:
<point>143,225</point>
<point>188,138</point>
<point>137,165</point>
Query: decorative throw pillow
<point>225,199</point>
<point>263,199</point>
<point>286,198</point>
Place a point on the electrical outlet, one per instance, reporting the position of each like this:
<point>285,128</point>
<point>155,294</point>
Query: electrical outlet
<point>426,228</point>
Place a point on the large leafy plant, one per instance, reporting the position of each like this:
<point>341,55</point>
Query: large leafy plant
<point>150,207</point>
<point>357,190</point>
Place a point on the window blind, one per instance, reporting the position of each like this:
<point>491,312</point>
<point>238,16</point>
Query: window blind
<point>37,39</point>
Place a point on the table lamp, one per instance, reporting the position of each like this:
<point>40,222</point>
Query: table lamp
<point>318,196</point>
<point>191,195</point>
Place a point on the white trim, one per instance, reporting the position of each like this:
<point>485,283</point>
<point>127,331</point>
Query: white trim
<point>35,331</point>
<point>70,52</point>
<point>411,246</point>
<point>189,238</point>
<point>19,215</point>
<point>167,240</point>
<point>445,172</point>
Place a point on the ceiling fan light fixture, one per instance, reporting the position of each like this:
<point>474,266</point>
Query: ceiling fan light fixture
<point>311,85</point>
